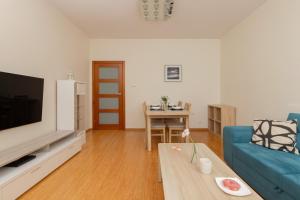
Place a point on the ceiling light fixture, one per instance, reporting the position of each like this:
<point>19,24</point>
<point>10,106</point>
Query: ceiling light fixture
<point>156,10</point>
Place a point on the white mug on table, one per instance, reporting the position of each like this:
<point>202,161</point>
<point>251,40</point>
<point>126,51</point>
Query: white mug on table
<point>205,165</point>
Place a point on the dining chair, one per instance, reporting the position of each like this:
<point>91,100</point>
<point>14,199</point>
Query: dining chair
<point>156,125</point>
<point>171,120</point>
<point>176,127</point>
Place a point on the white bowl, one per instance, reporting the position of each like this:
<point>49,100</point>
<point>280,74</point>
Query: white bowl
<point>155,108</point>
<point>177,107</point>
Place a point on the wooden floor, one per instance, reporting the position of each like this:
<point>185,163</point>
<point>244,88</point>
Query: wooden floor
<point>113,165</point>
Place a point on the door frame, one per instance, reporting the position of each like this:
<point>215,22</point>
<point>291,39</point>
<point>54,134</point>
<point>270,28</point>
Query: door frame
<point>122,120</point>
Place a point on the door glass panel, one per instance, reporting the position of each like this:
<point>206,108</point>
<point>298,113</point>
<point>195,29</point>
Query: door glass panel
<point>108,73</point>
<point>108,88</point>
<point>108,118</point>
<point>108,103</point>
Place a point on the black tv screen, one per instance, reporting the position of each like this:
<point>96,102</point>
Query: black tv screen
<point>21,100</point>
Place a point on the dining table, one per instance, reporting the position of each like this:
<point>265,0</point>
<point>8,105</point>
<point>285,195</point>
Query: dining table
<point>164,114</point>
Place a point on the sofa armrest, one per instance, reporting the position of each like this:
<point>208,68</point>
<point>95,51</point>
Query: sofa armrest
<point>235,134</point>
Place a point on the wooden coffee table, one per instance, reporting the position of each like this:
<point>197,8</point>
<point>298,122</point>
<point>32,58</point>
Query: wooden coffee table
<point>183,180</point>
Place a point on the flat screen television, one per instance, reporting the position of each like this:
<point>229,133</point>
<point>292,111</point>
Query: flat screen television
<point>21,100</point>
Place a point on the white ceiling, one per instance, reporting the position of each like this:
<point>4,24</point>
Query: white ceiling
<point>122,18</point>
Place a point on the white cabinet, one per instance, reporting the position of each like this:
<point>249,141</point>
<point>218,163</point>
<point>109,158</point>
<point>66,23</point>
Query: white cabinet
<point>15,181</point>
<point>71,105</point>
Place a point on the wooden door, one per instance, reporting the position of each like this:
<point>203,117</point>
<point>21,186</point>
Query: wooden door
<point>108,95</point>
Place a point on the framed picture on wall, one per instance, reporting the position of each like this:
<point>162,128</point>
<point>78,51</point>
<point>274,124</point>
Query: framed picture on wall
<point>173,73</point>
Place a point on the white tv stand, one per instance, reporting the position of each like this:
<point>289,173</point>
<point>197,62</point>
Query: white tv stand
<point>51,151</point>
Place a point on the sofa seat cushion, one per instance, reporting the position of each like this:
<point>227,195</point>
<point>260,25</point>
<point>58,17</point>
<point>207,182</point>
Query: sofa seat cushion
<point>260,184</point>
<point>291,184</point>
<point>268,163</point>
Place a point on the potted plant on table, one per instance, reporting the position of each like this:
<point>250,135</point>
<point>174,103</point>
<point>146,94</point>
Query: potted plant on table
<point>164,100</point>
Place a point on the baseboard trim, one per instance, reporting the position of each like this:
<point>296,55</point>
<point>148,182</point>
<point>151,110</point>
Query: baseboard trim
<point>191,129</point>
<point>199,129</point>
<point>134,129</point>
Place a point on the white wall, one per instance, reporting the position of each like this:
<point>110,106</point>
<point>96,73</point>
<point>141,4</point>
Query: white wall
<point>261,63</point>
<point>144,71</point>
<point>36,40</point>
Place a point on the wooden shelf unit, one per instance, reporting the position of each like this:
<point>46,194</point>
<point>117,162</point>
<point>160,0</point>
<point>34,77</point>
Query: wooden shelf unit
<point>220,116</point>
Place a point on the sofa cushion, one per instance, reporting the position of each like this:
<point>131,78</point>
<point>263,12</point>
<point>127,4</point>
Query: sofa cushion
<point>291,184</point>
<point>268,163</point>
<point>277,135</point>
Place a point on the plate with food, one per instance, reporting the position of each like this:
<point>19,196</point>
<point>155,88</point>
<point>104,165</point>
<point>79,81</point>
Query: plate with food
<point>233,186</point>
<point>155,107</point>
<point>177,108</point>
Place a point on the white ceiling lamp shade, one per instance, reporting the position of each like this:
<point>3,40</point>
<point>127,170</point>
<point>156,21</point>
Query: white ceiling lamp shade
<point>156,10</point>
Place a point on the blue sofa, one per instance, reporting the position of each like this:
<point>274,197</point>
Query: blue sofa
<point>275,175</point>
